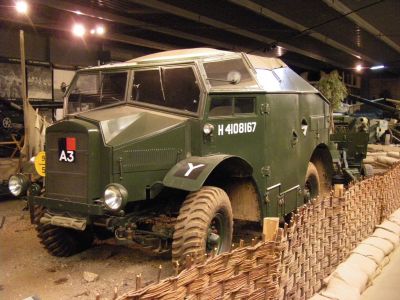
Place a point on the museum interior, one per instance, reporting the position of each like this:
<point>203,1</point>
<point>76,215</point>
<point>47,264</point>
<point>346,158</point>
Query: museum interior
<point>185,149</point>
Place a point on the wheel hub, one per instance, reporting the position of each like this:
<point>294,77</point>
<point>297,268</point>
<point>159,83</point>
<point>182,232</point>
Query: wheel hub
<point>215,234</point>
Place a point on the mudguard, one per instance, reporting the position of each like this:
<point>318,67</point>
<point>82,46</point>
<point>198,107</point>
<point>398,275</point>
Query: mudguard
<point>191,173</point>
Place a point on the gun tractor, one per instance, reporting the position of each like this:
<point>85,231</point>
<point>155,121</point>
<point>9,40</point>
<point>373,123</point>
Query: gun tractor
<point>169,149</point>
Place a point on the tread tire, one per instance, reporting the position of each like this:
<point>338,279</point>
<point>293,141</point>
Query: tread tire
<point>195,216</point>
<point>60,241</point>
<point>312,177</point>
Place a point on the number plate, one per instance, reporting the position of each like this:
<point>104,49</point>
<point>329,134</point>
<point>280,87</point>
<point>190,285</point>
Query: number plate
<point>67,149</point>
<point>237,128</point>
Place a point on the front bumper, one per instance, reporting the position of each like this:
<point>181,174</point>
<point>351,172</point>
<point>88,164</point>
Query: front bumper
<point>66,206</point>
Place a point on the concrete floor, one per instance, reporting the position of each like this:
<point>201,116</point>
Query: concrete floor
<point>387,285</point>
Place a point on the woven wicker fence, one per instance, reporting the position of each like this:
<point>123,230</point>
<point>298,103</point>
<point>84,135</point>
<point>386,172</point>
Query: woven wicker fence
<point>320,236</point>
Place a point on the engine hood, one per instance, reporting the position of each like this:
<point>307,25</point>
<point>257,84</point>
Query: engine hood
<point>126,123</point>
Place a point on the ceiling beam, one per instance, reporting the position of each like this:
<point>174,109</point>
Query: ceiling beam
<point>355,18</point>
<point>228,27</point>
<point>127,39</point>
<point>265,12</point>
<point>101,14</point>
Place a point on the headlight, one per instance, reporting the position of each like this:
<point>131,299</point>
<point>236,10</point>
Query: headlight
<point>208,129</point>
<point>115,196</point>
<point>18,185</point>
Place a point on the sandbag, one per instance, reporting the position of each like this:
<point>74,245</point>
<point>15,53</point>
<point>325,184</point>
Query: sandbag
<point>338,289</point>
<point>396,214</point>
<point>395,217</point>
<point>371,252</point>
<point>387,235</point>
<point>387,160</point>
<point>351,275</point>
<point>390,226</point>
<point>319,297</point>
<point>393,154</point>
<point>382,244</point>
<point>367,265</point>
<point>394,220</point>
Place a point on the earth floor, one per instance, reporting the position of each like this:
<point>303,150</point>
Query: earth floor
<point>28,270</point>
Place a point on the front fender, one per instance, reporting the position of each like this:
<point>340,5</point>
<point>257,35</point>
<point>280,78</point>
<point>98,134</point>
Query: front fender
<point>191,173</point>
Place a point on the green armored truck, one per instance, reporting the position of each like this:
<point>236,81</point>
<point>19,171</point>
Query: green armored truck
<point>169,149</point>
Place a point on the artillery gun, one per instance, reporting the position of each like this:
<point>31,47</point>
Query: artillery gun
<point>169,149</point>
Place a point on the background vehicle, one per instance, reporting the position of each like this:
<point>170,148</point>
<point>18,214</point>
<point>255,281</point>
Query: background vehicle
<point>169,149</point>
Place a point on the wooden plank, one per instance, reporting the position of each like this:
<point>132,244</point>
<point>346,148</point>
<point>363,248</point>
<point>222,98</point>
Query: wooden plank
<point>270,228</point>
<point>338,190</point>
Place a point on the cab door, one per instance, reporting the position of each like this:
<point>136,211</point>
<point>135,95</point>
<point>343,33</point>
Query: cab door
<point>236,126</point>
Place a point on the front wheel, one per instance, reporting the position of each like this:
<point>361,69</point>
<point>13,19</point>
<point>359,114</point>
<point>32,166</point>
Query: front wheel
<point>204,224</point>
<point>60,241</point>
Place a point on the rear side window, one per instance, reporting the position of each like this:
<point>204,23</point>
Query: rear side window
<point>245,105</point>
<point>229,106</point>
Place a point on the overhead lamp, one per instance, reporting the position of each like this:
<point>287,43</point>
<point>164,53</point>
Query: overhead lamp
<point>100,30</point>
<point>22,7</point>
<point>377,67</point>
<point>359,67</point>
<point>78,30</point>
<point>279,51</point>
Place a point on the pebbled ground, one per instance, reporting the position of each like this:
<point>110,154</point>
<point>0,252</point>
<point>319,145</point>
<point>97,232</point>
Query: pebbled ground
<point>27,269</point>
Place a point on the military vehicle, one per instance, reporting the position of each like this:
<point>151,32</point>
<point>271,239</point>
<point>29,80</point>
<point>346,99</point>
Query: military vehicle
<point>169,149</point>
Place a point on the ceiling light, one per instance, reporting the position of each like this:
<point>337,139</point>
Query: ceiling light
<point>279,51</point>
<point>100,30</point>
<point>78,30</point>
<point>359,68</point>
<point>21,7</point>
<point>92,31</point>
<point>377,67</point>
<point>78,12</point>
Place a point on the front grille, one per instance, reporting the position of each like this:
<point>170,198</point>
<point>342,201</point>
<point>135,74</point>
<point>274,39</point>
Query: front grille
<point>64,180</point>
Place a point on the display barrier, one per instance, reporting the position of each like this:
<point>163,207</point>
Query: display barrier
<point>320,235</point>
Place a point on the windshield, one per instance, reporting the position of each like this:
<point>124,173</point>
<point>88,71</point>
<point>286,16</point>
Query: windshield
<point>91,90</point>
<point>171,87</point>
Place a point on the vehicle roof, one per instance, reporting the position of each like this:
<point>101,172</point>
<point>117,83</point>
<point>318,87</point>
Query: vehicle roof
<point>272,74</point>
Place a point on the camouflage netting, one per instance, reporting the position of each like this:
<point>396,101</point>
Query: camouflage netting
<point>35,128</point>
<point>320,236</point>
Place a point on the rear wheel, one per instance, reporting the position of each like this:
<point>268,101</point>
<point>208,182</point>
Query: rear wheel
<point>312,184</point>
<point>205,223</point>
<point>60,241</point>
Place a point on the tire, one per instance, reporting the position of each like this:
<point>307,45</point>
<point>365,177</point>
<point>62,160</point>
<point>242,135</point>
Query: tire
<point>205,221</point>
<point>367,170</point>
<point>60,241</point>
<point>312,185</point>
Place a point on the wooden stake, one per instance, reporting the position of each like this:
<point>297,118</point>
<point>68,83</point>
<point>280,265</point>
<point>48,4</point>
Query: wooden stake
<point>115,296</point>
<point>241,243</point>
<point>138,281</point>
<point>176,267</point>
<point>338,190</point>
<point>270,228</point>
<point>159,273</point>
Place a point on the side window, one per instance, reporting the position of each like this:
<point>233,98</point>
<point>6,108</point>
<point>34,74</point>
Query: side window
<point>244,105</point>
<point>221,107</point>
<point>172,87</point>
<point>227,106</point>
